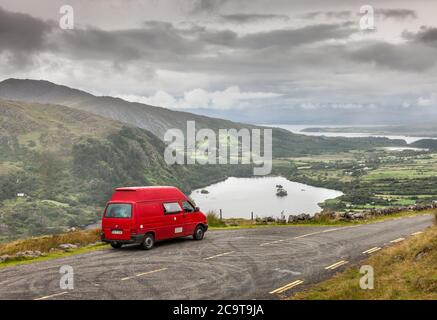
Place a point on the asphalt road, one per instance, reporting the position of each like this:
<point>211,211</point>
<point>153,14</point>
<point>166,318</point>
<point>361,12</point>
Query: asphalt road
<point>262,263</point>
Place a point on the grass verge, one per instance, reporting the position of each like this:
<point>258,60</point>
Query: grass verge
<point>407,271</point>
<point>53,255</point>
<point>45,243</point>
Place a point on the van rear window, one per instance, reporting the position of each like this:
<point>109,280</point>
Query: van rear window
<point>116,210</point>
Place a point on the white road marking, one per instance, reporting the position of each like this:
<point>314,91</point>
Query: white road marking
<point>329,230</point>
<point>336,265</point>
<point>372,250</point>
<point>307,235</point>
<point>143,274</point>
<point>219,255</point>
<point>397,240</point>
<point>294,273</point>
<point>287,287</point>
<point>273,242</point>
<point>51,296</point>
<point>416,233</point>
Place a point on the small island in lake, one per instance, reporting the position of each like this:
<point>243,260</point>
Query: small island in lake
<point>280,191</point>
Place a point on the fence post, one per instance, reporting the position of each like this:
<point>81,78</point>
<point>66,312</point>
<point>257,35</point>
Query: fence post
<point>251,216</point>
<point>221,217</point>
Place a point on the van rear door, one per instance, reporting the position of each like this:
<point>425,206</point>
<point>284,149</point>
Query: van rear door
<point>118,221</point>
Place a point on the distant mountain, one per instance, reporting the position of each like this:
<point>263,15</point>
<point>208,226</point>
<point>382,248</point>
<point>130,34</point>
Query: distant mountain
<point>157,120</point>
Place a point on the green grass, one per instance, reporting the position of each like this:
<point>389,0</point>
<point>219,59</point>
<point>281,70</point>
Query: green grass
<point>214,220</point>
<point>54,255</point>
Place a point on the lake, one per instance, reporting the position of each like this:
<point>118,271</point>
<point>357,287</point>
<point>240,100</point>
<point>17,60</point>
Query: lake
<point>298,129</point>
<point>238,197</point>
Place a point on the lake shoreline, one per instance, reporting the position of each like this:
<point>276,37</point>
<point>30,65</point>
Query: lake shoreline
<point>238,197</point>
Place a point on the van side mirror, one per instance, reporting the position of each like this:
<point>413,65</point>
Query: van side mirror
<point>196,209</point>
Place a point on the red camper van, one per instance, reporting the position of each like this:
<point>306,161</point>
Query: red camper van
<point>144,215</point>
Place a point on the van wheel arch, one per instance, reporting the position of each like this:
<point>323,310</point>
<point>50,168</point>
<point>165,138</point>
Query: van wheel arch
<point>199,232</point>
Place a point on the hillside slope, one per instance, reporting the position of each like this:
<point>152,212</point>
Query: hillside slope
<point>67,163</point>
<point>157,120</point>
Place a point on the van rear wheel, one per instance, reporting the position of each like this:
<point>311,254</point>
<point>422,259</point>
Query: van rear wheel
<point>199,233</point>
<point>116,245</point>
<point>148,242</point>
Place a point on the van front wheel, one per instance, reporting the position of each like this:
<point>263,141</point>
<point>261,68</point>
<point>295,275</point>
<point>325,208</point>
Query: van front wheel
<point>148,242</point>
<point>199,233</point>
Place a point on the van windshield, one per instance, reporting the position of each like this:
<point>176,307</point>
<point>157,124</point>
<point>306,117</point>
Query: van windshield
<point>116,210</point>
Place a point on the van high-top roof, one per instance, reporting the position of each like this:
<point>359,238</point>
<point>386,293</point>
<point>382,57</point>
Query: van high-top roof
<point>147,194</point>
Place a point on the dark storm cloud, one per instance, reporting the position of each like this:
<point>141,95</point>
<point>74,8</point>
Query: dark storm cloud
<point>21,35</point>
<point>251,18</point>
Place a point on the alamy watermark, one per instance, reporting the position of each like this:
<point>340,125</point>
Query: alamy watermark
<point>66,22</point>
<point>67,279</point>
<point>230,146</point>
<point>367,280</point>
<point>367,21</point>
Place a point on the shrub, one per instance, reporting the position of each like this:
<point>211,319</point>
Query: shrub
<point>214,220</point>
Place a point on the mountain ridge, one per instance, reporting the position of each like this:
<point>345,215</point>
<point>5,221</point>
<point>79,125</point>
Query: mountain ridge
<point>158,120</point>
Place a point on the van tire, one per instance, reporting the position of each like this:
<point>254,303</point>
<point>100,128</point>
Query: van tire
<point>148,242</point>
<point>116,245</point>
<point>199,233</point>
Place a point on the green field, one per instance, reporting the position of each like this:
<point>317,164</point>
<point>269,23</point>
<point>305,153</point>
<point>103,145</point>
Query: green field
<point>369,178</point>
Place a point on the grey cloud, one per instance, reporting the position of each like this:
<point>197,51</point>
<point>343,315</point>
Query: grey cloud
<point>208,5</point>
<point>426,35</point>
<point>158,43</point>
<point>399,14</point>
<point>407,56</point>
<point>283,38</point>
<point>21,32</point>
<point>242,18</point>
<point>345,14</point>
<point>162,42</point>
<point>294,37</point>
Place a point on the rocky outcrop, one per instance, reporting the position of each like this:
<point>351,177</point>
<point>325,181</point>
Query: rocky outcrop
<point>67,246</point>
<point>299,218</point>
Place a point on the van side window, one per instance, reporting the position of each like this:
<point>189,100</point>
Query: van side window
<point>187,206</point>
<point>172,207</point>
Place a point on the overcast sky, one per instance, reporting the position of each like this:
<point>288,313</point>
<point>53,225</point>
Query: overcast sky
<point>227,55</point>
